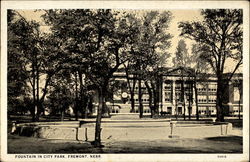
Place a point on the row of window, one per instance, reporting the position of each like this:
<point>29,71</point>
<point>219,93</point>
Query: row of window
<point>177,94</point>
<point>178,99</point>
<point>143,99</point>
<point>206,111</point>
<point>176,88</point>
<point>209,89</point>
<point>212,100</point>
<point>204,100</point>
<point>167,87</point>
<point>144,111</point>
<point>236,111</point>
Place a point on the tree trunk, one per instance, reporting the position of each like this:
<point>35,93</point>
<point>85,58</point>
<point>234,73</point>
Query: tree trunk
<point>239,101</point>
<point>34,106</point>
<point>156,99</point>
<point>150,98</point>
<point>90,104</point>
<point>62,114</point>
<point>97,142</point>
<point>132,102</point>
<point>102,109</point>
<point>83,98</point>
<point>176,106</point>
<point>156,104</point>
<point>131,89</point>
<point>140,98</point>
<point>219,108</point>
<point>189,100</point>
<point>157,96</point>
<point>37,95</point>
<point>86,108</point>
<point>76,99</point>
<point>183,98</point>
<point>196,100</point>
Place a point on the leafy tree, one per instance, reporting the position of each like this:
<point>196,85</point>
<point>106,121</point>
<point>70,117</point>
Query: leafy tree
<point>39,54</point>
<point>96,43</point>
<point>60,92</point>
<point>181,55</point>
<point>131,82</point>
<point>21,48</point>
<point>152,53</point>
<point>182,60</point>
<point>17,78</point>
<point>200,70</point>
<point>148,51</point>
<point>221,34</point>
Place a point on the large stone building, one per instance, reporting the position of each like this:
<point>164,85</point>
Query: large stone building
<point>177,94</point>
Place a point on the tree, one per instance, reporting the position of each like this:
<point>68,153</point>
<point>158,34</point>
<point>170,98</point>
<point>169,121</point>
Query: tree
<point>237,82</point>
<point>97,42</point>
<point>17,87</point>
<point>182,60</point>
<point>200,70</point>
<point>131,82</point>
<point>23,48</point>
<point>60,93</point>
<point>181,55</point>
<point>221,34</point>
<point>150,53</point>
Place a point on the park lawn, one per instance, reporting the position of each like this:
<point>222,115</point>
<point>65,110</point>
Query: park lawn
<point>222,144</point>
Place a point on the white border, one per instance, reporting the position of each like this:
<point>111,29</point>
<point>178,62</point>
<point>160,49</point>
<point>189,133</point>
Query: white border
<point>129,5</point>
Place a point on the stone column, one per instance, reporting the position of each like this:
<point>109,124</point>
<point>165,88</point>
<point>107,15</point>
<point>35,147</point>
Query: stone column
<point>194,102</point>
<point>162,103</point>
<point>174,98</point>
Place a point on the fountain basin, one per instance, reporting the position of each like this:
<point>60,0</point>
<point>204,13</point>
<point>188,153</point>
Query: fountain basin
<point>124,130</point>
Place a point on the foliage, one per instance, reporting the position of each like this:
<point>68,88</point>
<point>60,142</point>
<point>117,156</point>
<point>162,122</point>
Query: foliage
<point>219,36</point>
<point>19,41</point>
<point>182,57</point>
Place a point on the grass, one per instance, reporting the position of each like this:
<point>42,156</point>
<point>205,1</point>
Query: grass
<point>222,144</point>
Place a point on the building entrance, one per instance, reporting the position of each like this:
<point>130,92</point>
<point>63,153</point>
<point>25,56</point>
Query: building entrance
<point>179,110</point>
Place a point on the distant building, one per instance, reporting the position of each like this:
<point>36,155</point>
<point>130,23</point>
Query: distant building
<point>171,100</point>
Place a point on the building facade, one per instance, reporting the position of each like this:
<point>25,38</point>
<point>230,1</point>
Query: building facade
<point>179,92</point>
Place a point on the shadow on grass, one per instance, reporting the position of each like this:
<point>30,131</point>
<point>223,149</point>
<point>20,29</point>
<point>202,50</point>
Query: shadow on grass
<point>18,144</point>
<point>238,123</point>
<point>233,139</point>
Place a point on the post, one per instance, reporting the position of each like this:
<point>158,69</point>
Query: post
<point>13,127</point>
<point>171,126</point>
<point>77,130</point>
<point>86,134</point>
<point>221,129</point>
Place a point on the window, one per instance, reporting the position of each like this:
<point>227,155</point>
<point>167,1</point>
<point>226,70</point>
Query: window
<point>167,99</point>
<point>168,87</point>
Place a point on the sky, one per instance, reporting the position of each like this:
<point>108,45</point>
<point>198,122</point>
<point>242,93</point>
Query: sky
<point>178,16</point>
